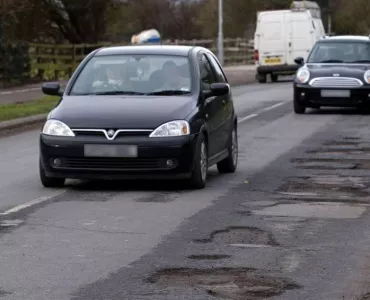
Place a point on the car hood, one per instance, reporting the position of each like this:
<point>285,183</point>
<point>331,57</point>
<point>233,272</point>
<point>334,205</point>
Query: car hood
<point>344,70</point>
<point>133,112</point>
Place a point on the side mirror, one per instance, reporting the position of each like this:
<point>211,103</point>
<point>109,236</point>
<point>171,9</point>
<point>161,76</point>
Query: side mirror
<point>299,61</point>
<point>51,89</point>
<point>219,89</point>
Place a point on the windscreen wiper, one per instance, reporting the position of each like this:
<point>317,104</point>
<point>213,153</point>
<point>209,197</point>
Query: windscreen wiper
<point>169,92</point>
<point>117,93</point>
<point>360,61</point>
<point>331,61</point>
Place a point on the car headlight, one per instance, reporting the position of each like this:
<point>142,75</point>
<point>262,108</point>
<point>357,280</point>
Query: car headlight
<point>57,128</point>
<point>367,77</point>
<point>173,128</point>
<point>303,75</point>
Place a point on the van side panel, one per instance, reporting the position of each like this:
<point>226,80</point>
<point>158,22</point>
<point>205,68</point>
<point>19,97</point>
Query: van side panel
<point>271,32</point>
<point>301,35</point>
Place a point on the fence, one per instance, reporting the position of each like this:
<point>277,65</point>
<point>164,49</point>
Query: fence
<point>49,62</point>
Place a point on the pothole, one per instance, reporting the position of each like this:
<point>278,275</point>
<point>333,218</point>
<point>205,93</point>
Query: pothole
<point>240,235</point>
<point>260,203</point>
<point>351,138</point>
<point>336,186</point>
<point>365,297</point>
<point>209,256</point>
<point>244,212</point>
<point>332,164</point>
<point>361,151</point>
<point>341,143</point>
<point>4,293</point>
<point>331,188</point>
<point>225,283</point>
<point>321,164</point>
<point>318,210</point>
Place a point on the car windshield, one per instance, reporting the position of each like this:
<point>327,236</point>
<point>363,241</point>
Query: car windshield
<point>340,52</point>
<point>134,75</point>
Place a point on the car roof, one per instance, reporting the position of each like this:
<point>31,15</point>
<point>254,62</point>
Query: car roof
<point>177,50</point>
<point>346,38</point>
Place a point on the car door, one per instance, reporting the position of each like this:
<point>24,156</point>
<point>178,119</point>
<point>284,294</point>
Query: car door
<point>227,107</point>
<point>212,105</point>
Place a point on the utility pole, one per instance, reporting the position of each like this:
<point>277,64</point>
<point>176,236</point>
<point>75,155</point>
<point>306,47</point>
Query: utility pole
<point>329,17</point>
<point>220,40</point>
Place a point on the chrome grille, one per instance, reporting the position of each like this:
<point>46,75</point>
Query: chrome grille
<point>336,82</point>
<point>117,133</point>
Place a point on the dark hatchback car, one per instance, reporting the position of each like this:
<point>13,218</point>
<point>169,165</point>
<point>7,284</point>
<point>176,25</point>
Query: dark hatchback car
<point>336,74</point>
<point>162,112</point>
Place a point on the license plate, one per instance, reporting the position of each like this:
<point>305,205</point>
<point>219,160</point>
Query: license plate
<point>110,151</point>
<point>335,93</point>
<point>273,60</point>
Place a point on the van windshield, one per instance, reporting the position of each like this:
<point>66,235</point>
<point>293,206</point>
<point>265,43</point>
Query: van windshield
<point>340,52</point>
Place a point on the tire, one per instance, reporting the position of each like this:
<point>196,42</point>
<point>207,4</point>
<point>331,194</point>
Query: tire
<point>274,78</point>
<point>199,174</point>
<point>230,163</point>
<point>298,108</point>
<point>261,78</point>
<point>49,182</point>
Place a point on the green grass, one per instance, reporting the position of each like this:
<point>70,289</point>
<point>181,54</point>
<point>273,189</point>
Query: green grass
<point>25,109</point>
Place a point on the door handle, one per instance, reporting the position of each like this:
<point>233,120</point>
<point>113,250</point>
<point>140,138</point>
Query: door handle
<point>223,102</point>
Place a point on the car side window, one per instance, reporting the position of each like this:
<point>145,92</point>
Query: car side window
<point>220,76</point>
<point>206,73</point>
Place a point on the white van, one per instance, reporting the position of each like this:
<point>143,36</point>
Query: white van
<point>283,35</point>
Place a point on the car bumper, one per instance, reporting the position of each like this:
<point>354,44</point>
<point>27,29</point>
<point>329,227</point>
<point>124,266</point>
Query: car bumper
<point>278,69</point>
<point>311,97</point>
<point>64,157</point>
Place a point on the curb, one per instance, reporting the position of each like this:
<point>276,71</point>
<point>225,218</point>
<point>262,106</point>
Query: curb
<point>20,122</point>
<point>236,78</point>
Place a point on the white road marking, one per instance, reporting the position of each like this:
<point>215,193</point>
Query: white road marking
<point>272,107</point>
<point>31,203</point>
<point>262,110</point>
<point>247,118</point>
<point>20,91</point>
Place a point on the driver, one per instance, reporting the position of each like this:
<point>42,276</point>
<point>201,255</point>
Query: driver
<point>172,78</point>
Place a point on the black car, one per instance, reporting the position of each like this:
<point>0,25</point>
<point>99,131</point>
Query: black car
<point>336,74</point>
<point>131,112</point>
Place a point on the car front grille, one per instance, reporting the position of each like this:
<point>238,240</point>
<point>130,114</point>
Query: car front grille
<point>118,164</point>
<point>118,133</point>
<point>336,82</point>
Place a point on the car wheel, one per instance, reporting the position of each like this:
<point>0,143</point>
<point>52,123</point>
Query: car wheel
<point>229,164</point>
<point>200,169</point>
<point>298,108</point>
<point>274,78</point>
<point>49,181</point>
<point>261,78</point>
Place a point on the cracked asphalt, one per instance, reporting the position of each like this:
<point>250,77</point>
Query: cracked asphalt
<point>291,224</point>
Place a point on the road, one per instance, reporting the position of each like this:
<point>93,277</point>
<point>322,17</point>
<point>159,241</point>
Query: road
<point>291,224</point>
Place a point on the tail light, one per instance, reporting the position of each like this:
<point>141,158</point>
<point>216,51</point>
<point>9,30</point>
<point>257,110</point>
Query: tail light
<point>256,55</point>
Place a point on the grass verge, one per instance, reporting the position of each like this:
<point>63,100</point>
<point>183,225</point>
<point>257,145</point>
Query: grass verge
<point>26,109</point>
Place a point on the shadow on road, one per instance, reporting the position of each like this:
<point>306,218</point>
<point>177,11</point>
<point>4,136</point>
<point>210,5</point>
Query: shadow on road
<point>136,185</point>
<point>339,111</point>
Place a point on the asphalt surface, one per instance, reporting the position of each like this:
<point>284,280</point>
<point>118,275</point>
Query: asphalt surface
<point>291,223</point>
